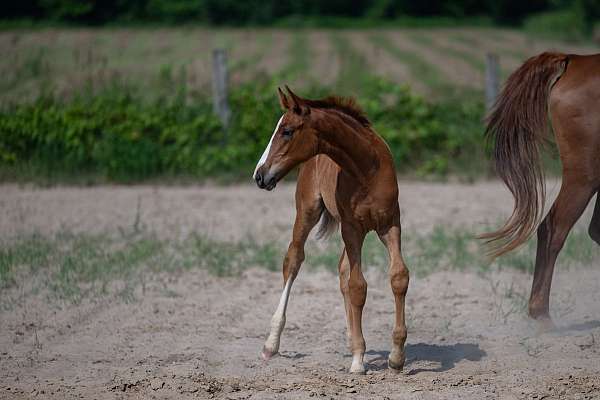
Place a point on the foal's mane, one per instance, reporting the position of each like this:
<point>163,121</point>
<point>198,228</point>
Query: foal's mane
<point>345,105</point>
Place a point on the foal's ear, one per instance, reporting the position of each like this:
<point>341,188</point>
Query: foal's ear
<point>283,100</point>
<point>297,104</point>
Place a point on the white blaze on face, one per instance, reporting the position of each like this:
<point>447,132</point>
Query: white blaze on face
<point>278,320</point>
<point>265,153</point>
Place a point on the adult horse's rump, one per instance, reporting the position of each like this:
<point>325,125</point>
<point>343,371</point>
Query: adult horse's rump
<point>568,87</point>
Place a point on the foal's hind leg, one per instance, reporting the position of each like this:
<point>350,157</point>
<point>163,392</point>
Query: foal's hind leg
<point>357,290</point>
<point>552,232</point>
<point>594,229</point>
<point>344,271</point>
<point>399,280</point>
<point>308,212</point>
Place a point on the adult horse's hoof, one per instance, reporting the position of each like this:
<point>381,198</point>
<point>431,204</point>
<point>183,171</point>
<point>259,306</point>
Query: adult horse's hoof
<point>267,354</point>
<point>545,324</point>
<point>542,318</point>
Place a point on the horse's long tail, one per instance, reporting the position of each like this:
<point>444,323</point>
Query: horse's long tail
<point>518,125</point>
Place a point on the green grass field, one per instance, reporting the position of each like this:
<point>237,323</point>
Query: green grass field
<point>429,60</point>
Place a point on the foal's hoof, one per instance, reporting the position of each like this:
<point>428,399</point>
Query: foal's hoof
<point>396,363</point>
<point>394,366</point>
<point>360,370</point>
<point>267,354</point>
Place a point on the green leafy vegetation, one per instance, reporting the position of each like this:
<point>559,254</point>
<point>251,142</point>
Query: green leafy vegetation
<point>289,13</point>
<point>118,135</point>
<point>571,20</point>
<point>129,105</point>
<point>565,24</point>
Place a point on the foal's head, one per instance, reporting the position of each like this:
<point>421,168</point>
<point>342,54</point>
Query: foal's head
<point>293,142</point>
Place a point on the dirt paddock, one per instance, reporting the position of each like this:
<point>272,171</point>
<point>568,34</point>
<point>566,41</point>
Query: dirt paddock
<point>194,335</point>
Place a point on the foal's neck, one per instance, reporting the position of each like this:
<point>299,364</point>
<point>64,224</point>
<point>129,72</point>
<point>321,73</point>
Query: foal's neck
<point>352,146</point>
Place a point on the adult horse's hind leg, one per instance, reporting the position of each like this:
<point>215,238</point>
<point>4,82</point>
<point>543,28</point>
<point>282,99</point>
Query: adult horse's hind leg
<point>552,233</point>
<point>594,229</point>
<point>344,271</point>
<point>308,211</point>
<point>399,281</point>
<point>357,290</point>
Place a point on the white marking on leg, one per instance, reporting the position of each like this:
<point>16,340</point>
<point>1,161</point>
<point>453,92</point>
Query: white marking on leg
<point>265,153</point>
<point>357,363</point>
<point>278,320</point>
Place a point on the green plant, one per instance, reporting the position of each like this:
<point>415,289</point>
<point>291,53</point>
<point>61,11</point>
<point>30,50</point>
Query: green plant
<point>120,136</point>
<point>567,24</point>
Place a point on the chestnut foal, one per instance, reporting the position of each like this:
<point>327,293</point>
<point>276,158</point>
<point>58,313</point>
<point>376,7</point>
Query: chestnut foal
<point>347,176</point>
<point>566,86</point>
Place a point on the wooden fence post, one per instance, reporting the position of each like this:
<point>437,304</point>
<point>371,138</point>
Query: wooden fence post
<point>492,80</point>
<point>220,80</point>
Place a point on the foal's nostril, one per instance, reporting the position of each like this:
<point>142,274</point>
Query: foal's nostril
<point>259,179</point>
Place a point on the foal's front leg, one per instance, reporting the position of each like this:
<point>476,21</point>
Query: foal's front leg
<point>399,282</point>
<point>306,219</point>
<point>357,290</point>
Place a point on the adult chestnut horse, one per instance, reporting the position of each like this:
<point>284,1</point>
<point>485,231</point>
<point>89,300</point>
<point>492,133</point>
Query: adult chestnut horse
<point>347,176</point>
<point>568,86</point>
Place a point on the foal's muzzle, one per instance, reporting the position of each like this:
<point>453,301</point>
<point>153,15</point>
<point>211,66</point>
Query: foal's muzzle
<point>265,180</point>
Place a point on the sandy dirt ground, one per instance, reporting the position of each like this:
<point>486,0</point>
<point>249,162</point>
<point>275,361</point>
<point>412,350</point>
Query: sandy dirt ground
<point>192,335</point>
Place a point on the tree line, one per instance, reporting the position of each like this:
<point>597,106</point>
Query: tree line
<point>268,12</point>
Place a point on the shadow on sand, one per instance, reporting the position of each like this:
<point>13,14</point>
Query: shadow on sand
<point>291,355</point>
<point>579,327</point>
<point>445,355</point>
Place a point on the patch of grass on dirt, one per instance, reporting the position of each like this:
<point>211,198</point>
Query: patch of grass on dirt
<point>474,42</point>
<point>263,43</point>
<point>299,55</point>
<point>443,248</point>
<point>579,249</point>
<point>72,267</point>
<point>418,66</point>
<point>354,71</point>
<point>447,248</point>
<point>475,62</point>
<point>227,258</point>
<point>31,251</point>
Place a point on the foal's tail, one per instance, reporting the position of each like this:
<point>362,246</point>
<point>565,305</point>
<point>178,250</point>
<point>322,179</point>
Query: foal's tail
<point>327,224</point>
<point>518,124</point>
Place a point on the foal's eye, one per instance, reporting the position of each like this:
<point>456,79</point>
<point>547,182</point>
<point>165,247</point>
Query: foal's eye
<point>287,133</point>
